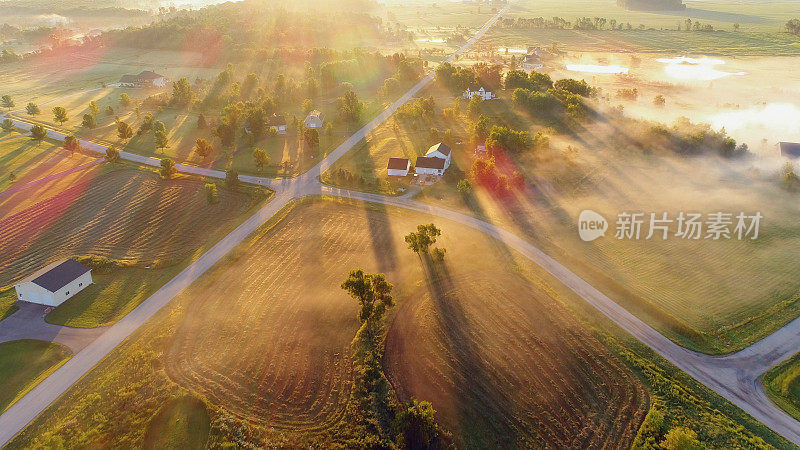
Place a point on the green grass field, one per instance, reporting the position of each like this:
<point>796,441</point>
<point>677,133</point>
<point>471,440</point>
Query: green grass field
<point>182,423</point>
<point>24,363</point>
<point>782,384</point>
<point>7,299</point>
<point>114,294</point>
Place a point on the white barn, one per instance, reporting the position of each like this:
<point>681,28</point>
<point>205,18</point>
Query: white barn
<point>398,167</point>
<point>429,166</point>
<point>54,284</point>
<point>441,151</point>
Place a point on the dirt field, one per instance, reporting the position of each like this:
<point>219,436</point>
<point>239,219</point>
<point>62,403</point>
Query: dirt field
<point>505,366</point>
<point>123,214</point>
<point>266,337</point>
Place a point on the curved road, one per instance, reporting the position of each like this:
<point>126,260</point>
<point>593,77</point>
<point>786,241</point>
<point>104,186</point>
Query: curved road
<point>735,376</point>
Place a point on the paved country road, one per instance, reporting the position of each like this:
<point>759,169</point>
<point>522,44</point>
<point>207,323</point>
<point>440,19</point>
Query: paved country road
<point>735,376</point>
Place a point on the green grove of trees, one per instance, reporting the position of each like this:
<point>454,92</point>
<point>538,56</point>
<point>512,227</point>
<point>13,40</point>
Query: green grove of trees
<point>7,125</point>
<point>88,121</point>
<point>60,115</point>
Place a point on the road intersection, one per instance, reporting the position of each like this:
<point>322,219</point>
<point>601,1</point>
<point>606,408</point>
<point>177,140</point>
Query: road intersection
<point>735,377</point>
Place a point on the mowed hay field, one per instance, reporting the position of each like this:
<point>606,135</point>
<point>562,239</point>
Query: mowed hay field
<point>124,214</point>
<point>505,366</point>
<point>268,336</point>
<point>265,337</point>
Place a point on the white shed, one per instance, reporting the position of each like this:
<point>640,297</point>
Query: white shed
<point>54,284</point>
<point>398,167</point>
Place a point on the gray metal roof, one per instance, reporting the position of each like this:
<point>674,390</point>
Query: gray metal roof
<point>60,275</point>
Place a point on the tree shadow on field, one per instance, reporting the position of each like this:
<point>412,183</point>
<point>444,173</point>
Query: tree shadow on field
<point>483,411</point>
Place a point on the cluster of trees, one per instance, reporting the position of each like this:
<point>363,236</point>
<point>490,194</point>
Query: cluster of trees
<point>421,241</point>
<point>458,79</point>
<point>534,81</point>
<point>685,137</point>
<point>485,173</point>
<point>419,111</point>
<point>793,26</point>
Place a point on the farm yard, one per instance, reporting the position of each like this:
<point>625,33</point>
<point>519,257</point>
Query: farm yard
<point>124,214</point>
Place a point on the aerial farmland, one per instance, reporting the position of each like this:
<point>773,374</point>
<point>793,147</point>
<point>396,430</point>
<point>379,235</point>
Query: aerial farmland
<point>399,224</point>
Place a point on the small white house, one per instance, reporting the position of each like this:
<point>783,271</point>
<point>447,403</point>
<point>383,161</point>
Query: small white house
<point>398,167</point>
<point>315,119</point>
<point>482,93</point>
<point>277,122</point>
<point>430,166</point>
<point>441,151</point>
<point>54,284</point>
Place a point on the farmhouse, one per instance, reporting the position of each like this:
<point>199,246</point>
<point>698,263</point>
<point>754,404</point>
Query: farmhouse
<point>533,60</point>
<point>789,149</point>
<point>145,79</point>
<point>54,284</point>
<point>430,166</point>
<point>441,151</point>
<point>398,167</point>
<point>315,119</point>
<point>482,93</point>
<point>278,122</point>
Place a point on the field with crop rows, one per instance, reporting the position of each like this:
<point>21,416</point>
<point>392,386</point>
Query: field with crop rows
<point>505,366</point>
<point>266,336</point>
<point>122,214</point>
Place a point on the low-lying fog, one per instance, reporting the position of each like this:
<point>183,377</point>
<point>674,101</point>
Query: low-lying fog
<point>756,99</point>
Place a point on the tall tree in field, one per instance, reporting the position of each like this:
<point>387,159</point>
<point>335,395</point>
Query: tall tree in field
<point>417,422</point>
<point>203,148</point>
<point>161,140</point>
<point>60,115</point>
<point>88,121</point>
<point>182,94</point>
<point>7,102</point>
<point>212,196</point>
<point>125,100</point>
<point>261,158</point>
<point>93,108</point>
<point>311,137</point>
<point>38,133</point>
<point>124,131</point>
<point>109,111</point>
<point>374,295</point>
<point>32,109</point>
<point>168,168</point>
<point>350,107</point>
<point>112,154</point>
<point>71,143</point>
<point>421,240</point>
<point>7,125</point>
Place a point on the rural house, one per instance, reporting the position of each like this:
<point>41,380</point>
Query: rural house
<point>789,149</point>
<point>441,151</point>
<point>482,93</point>
<point>315,119</point>
<point>278,122</point>
<point>430,166</point>
<point>398,167</point>
<point>54,284</point>
<point>145,79</point>
<point>532,60</point>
